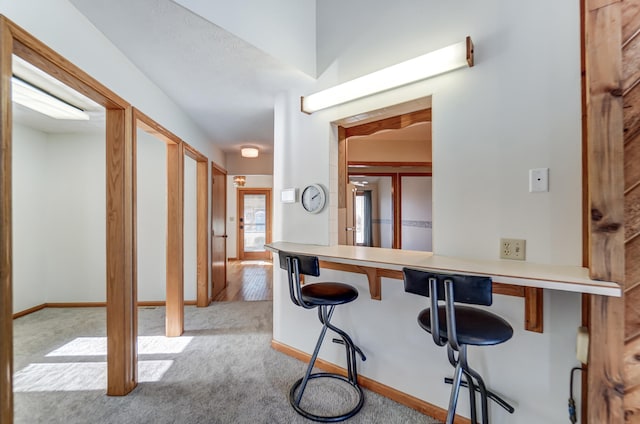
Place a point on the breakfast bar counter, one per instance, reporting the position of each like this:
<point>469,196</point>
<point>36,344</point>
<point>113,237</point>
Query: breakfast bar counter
<point>511,278</point>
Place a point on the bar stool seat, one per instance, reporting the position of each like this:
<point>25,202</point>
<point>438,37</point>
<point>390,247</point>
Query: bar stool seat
<point>324,296</point>
<point>475,327</point>
<point>328,293</point>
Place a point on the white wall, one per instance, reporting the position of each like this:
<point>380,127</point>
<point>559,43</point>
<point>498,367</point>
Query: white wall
<point>76,218</point>
<point>416,208</point>
<point>253,181</point>
<point>491,123</point>
<point>190,233</point>
<point>151,174</point>
<point>58,218</point>
<point>29,157</point>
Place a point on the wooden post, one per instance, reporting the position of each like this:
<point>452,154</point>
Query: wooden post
<point>202,169</point>
<point>606,203</point>
<point>175,240</point>
<point>6,303</point>
<point>121,291</point>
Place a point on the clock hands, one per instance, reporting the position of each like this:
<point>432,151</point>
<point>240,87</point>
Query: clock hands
<point>313,197</point>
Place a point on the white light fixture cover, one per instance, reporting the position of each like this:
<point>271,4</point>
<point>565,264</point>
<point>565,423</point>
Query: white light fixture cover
<point>249,152</point>
<point>437,62</point>
<point>31,97</point>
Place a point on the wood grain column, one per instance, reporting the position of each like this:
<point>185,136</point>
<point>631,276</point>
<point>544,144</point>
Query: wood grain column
<point>121,290</point>
<point>175,240</point>
<point>606,202</point>
<point>202,169</point>
<point>6,304</point>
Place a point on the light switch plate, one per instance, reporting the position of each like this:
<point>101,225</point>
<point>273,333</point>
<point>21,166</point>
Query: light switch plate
<point>538,180</point>
<point>288,195</point>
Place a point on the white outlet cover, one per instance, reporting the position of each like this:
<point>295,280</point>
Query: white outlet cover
<point>538,180</point>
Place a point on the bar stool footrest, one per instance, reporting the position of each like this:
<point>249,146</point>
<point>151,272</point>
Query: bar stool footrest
<point>357,349</point>
<point>333,418</point>
<point>494,397</point>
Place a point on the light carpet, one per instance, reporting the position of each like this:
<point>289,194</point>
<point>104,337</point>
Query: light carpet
<point>222,370</point>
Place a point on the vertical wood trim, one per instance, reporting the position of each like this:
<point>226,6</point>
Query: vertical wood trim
<point>397,211</point>
<point>202,169</point>
<point>175,240</point>
<point>121,295</point>
<point>603,66</point>
<point>605,143</point>
<point>6,296</point>
<point>586,300</point>
<point>343,178</point>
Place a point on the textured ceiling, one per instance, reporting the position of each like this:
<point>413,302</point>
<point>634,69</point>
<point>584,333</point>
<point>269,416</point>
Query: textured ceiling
<point>224,84</point>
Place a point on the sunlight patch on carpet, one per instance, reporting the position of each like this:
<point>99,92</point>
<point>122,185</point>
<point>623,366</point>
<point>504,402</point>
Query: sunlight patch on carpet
<point>77,376</point>
<point>147,345</point>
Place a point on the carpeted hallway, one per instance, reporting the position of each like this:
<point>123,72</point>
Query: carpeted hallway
<point>222,370</point>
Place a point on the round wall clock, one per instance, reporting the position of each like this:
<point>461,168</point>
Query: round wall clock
<point>313,198</point>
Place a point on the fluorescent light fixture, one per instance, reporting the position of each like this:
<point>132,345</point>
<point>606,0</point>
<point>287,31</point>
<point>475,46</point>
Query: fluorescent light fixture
<point>446,59</point>
<point>33,98</point>
<point>249,152</point>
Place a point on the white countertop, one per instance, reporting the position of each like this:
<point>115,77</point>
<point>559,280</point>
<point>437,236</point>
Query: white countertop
<point>554,277</point>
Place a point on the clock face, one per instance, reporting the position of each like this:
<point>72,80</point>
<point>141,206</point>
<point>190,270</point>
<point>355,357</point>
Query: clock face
<point>313,198</point>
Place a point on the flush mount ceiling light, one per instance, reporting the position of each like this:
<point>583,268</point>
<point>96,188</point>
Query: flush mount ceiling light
<point>443,60</point>
<point>33,98</point>
<point>249,152</point>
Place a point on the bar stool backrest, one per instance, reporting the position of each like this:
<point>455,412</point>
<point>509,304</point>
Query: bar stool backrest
<point>297,265</point>
<point>469,289</point>
<point>307,265</point>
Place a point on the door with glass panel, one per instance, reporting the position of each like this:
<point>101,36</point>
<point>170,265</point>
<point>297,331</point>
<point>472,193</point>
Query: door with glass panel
<point>254,223</point>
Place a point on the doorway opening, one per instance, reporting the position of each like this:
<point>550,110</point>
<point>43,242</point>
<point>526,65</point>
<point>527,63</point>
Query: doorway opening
<point>254,223</point>
<point>384,180</point>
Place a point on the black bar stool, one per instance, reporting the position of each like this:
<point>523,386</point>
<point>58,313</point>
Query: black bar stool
<point>324,296</point>
<point>458,326</point>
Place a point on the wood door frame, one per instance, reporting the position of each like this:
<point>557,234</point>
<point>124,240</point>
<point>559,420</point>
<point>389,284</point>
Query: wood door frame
<point>241,255</point>
<point>603,181</point>
<point>177,149</point>
<point>120,205</point>
<point>394,200</point>
<point>202,227</point>
<point>218,168</point>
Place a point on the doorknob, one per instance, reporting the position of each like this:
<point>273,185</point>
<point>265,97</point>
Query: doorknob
<point>350,228</point>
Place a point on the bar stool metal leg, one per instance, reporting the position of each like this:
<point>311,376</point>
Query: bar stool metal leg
<point>472,397</point>
<point>298,388</point>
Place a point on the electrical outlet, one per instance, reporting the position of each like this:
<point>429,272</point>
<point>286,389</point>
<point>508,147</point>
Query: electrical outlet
<point>512,249</point>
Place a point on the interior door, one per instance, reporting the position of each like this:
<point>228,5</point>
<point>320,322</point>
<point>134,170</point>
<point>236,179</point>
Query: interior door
<point>218,231</point>
<point>254,223</point>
